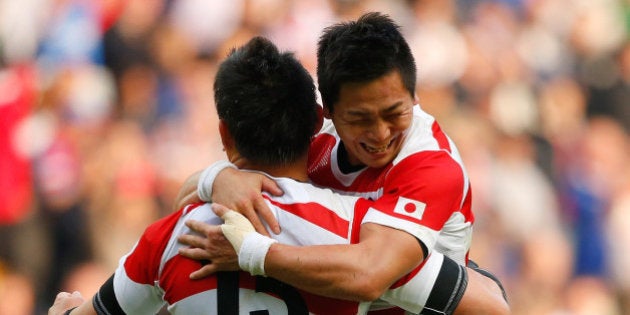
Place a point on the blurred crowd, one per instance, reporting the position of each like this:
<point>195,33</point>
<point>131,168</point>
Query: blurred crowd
<point>106,107</point>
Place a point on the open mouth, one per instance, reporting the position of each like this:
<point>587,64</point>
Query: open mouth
<point>380,149</point>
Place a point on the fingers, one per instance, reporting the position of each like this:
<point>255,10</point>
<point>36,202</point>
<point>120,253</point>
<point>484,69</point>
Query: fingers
<point>194,253</point>
<point>64,301</point>
<point>231,217</point>
<point>205,271</point>
<point>61,296</point>
<point>64,295</point>
<point>200,227</point>
<point>192,240</point>
<point>271,186</point>
<point>220,210</point>
<point>256,222</point>
<point>266,214</point>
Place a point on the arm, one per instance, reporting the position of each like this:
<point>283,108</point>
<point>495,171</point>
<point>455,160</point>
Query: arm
<point>239,190</point>
<point>345,279</point>
<point>360,271</point>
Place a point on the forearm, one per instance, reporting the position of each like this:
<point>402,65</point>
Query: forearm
<point>359,272</point>
<point>327,270</point>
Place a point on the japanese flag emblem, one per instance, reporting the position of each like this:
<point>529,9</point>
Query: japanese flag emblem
<point>409,207</point>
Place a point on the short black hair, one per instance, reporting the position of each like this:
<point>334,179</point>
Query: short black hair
<point>267,100</point>
<point>362,51</point>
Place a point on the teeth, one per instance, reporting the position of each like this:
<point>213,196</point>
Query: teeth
<point>376,149</point>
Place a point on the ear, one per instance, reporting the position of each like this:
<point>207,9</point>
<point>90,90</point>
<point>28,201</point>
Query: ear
<point>416,100</point>
<point>320,119</point>
<point>226,137</point>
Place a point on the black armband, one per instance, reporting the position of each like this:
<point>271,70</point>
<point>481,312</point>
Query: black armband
<point>448,290</point>
<point>105,302</point>
<point>70,310</point>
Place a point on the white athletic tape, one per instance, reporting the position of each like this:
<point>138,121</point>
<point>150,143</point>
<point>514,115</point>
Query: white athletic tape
<point>250,246</point>
<point>207,177</point>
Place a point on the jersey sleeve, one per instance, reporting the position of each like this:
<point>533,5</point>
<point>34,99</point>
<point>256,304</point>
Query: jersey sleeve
<point>436,287</point>
<point>134,282</point>
<point>420,194</point>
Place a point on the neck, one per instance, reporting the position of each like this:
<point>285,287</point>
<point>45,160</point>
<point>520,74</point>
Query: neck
<point>295,170</point>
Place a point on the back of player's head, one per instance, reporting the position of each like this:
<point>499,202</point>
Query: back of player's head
<point>362,51</point>
<point>267,100</point>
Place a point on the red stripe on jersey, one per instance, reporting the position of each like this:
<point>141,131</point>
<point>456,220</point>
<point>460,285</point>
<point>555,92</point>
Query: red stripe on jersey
<point>175,279</point>
<point>319,153</point>
<point>389,311</point>
<point>360,210</point>
<point>323,305</point>
<point>178,287</point>
<point>430,177</point>
<point>143,264</point>
<point>314,213</point>
<point>440,137</point>
<point>467,207</point>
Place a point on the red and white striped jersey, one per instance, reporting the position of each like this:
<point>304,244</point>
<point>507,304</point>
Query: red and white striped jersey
<point>153,274</point>
<point>425,190</point>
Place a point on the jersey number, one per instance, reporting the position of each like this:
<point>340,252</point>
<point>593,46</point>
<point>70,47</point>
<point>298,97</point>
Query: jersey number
<point>227,294</point>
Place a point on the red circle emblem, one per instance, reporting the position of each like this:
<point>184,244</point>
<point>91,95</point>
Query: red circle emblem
<point>410,207</point>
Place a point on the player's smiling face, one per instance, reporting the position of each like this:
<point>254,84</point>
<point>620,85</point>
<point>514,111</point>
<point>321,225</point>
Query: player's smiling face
<point>371,119</point>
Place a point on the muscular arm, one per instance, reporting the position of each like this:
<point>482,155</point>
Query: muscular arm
<point>360,271</point>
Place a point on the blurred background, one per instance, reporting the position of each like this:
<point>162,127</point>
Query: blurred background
<point>106,107</point>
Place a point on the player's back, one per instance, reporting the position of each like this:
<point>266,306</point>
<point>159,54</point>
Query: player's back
<point>308,215</point>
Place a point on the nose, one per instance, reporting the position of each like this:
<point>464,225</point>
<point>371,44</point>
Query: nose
<point>380,131</point>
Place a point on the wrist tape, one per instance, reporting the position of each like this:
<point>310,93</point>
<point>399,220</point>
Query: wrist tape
<point>251,256</point>
<point>207,177</point>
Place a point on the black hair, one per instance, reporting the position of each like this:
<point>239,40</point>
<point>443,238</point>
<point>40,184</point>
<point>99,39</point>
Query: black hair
<point>362,51</point>
<point>267,100</point>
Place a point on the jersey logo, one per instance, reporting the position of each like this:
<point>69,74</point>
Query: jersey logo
<point>409,207</point>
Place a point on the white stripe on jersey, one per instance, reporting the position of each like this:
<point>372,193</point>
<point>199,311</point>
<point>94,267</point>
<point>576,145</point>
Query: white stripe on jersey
<point>133,297</point>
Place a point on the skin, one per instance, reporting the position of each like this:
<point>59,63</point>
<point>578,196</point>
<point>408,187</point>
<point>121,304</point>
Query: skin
<point>371,119</point>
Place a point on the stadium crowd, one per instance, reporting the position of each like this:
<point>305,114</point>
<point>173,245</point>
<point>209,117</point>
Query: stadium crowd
<point>106,108</point>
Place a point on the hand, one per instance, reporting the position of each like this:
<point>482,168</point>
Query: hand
<point>252,247</point>
<point>236,226</point>
<point>213,247</point>
<point>241,191</point>
<point>65,301</point>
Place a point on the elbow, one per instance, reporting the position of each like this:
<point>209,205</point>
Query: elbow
<point>369,292</point>
<point>371,288</point>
